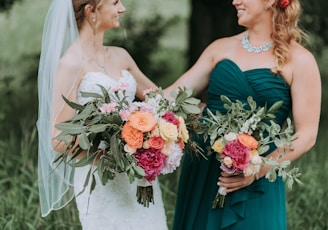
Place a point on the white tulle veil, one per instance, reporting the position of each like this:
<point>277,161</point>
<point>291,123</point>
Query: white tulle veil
<point>60,32</point>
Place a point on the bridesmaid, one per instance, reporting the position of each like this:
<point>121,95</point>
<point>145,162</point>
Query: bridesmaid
<point>267,62</point>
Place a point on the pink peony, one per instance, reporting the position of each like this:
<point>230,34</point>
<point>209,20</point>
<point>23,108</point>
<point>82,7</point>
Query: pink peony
<point>239,154</point>
<point>152,161</point>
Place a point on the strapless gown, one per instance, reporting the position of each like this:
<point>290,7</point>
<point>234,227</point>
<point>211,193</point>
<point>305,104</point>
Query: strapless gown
<point>259,206</point>
<point>114,206</point>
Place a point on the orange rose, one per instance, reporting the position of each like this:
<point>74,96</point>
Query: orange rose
<point>132,136</point>
<point>143,121</point>
<point>248,141</point>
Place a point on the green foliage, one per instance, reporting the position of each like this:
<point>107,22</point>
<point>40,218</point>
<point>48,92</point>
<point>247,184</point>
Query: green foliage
<point>7,4</point>
<point>141,38</point>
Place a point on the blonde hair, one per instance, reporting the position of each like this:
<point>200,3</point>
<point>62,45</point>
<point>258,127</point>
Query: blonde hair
<point>285,30</point>
<point>79,6</point>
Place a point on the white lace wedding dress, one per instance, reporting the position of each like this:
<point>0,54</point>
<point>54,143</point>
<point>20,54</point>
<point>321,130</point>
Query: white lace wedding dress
<point>114,206</point>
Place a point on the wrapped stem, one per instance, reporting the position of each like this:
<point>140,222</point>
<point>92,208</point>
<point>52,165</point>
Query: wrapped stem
<point>219,199</point>
<point>145,193</point>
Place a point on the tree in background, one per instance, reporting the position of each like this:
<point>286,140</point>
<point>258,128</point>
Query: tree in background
<point>6,4</point>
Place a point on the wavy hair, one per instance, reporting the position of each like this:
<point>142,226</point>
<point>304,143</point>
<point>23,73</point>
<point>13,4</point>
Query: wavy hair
<point>285,30</point>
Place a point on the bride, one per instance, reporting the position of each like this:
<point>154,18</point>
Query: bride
<point>73,59</point>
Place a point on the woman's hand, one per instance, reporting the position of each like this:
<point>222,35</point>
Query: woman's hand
<point>234,182</point>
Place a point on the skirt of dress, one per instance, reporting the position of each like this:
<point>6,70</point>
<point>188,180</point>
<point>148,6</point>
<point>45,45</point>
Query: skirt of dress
<point>114,206</point>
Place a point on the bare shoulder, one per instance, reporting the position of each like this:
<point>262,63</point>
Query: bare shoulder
<point>70,62</point>
<point>224,47</point>
<point>301,57</point>
<point>117,51</point>
<point>303,64</point>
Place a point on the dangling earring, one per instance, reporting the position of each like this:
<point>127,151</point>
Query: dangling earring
<point>94,19</point>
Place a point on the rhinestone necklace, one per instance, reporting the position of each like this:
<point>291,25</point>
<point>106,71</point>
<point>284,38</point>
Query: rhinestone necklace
<point>255,49</point>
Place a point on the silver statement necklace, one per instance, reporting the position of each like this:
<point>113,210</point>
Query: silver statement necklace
<point>255,49</point>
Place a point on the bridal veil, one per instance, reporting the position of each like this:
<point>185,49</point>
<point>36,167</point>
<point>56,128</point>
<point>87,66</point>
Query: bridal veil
<point>60,32</point>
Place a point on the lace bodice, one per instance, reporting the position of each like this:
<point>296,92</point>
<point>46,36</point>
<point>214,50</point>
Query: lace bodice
<point>91,81</point>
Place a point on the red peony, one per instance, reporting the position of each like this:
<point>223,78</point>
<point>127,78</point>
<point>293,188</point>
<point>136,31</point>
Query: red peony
<point>239,154</point>
<point>284,3</point>
<point>152,161</point>
<point>171,118</point>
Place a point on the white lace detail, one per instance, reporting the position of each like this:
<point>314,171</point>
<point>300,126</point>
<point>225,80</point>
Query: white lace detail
<point>114,206</point>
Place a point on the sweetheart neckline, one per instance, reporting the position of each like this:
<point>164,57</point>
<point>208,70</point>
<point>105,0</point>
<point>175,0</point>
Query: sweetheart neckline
<point>251,70</point>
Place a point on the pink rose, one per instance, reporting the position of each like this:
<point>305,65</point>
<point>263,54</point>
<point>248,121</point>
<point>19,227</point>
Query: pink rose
<point>239,154</point>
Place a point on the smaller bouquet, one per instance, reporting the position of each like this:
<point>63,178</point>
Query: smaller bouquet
<point>242,135</point>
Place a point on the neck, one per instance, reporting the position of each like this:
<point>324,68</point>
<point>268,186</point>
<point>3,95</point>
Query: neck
<point>91,40</point>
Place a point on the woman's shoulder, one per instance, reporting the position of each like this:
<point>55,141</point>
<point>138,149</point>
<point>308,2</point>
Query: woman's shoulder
<point>230,41</point>
<point>299,54</point>
<point>117,51</point>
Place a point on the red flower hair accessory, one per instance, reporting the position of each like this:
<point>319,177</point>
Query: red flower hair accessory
<point>284,3</point>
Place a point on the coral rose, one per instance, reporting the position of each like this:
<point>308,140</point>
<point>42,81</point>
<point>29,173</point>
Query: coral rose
<point>132,136</point>
<point>248,141</point>
<point>143,121</point>
<point>156,142</point>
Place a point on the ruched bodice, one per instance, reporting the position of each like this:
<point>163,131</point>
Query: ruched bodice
<point>198,181</point>
<point>114,206</point>
<point>264,86</point>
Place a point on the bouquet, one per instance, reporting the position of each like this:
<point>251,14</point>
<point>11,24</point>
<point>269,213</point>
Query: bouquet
<point>141,139</point>
<point>242,135</point>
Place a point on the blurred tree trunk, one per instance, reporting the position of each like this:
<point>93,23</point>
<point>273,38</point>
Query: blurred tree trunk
<point>209,20</point>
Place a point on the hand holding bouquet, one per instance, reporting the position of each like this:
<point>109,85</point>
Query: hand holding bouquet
<point>242,135</point>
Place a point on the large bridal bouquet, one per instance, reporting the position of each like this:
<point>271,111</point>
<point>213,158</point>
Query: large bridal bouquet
<point>141,139</point>
<point>242,135</point>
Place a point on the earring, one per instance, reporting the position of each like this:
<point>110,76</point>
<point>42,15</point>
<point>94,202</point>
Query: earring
<point>266,7</point>
<point>93,19</point>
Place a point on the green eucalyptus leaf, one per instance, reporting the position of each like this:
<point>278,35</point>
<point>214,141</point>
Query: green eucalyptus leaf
<point>191,109</point>
<point>193,101</point>
<point>84,142</point>
<point>275,107</point>
<point>98,128</point>
<point>70,128</point>
<point>73,105</point>
<point>89,108</point>
<point>93,95</point>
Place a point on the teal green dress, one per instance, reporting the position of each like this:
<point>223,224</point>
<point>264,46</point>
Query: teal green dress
<point>259,206</point>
